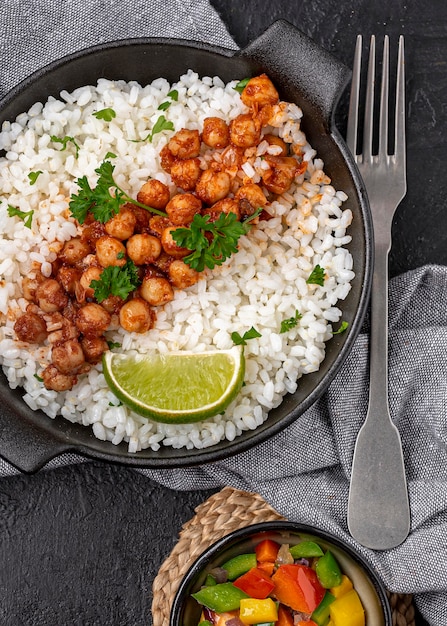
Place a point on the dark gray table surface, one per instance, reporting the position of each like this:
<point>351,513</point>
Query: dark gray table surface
<point>81,545</point>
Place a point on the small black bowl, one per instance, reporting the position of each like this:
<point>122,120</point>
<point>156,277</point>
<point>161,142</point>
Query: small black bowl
<point>186,611</point>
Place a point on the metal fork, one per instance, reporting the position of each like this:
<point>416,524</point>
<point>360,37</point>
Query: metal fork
<point>378,507</point>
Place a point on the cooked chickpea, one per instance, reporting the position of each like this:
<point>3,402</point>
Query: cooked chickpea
<point>274,140</point>
<point>74,251</point>
<point>122,225</point>
<point>215,133</point>
<point>68,357</point>
<point>69,278</point>
<point>157,224</point>
<point>29,286</point>
<point>213,186</point>
<point>259,91</point>
<point>91,273</point>
<point>182,275</point>
<point>92,319</point>
<point>245,132</point>
<point>30,327</point>
<point>226,205</point>
<point>93,348</point>
<point>281,174</point>
<point>185,144</point>
<point>50,296</point>
<point>167,159</point>
<point>182,207</point>
<point>185,173</point>
<point>249,198</point>
<point>169,244</point>
<point>136,316</point>
<point>154,193</point>
<point>143,248</point>
<point>156,290</point>
<point>112,304</point>
<point>54,380</point>
<point>110,251</point>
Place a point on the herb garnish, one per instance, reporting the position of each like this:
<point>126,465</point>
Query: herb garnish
<point>211,242</point>
<point>343,326</point>
<point>116,281</point>
<point>102,204</point>
<point>241,340</point>
<point>105,114</point>
<point>161,124</point>
<point>166,104</point>
<point>316,276</point>
<point>64,141</point>
<point>241,85</point>
<point>113,344</point>
<point>290,323</point>
<point>26,216</point>
<point>33,176</point>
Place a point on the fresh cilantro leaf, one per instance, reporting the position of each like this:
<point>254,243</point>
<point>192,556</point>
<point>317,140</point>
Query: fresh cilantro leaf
<point>173,94</point>
<point>316,276</point>
<point>164,105</point>
<point>290,323</point>
<point>160,125</point>
<point>26,216</point>
<point>241,340</point>
<point>110,155</point>
<point>99,201</point>
<point>241,85</point>
<point>343,326</point>
<point>33,176</point>
<point>105,114</point>
<point>211,243</point>
<point>116,281</point>
<point>64,141</point>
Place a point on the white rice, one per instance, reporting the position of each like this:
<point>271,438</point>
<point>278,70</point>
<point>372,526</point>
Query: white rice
<point>260,286</point>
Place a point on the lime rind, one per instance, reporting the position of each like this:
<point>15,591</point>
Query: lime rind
<point>177,387</point>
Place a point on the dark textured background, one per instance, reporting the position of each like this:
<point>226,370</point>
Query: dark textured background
<point>82,545</point>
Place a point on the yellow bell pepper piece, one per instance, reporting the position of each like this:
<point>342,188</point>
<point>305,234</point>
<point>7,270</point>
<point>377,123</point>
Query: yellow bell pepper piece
<point>342,588</point>
<point>253,611</point>
<point>347,610</point>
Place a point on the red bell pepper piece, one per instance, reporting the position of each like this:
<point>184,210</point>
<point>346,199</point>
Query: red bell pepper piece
<point>298,586</point>
<point>267,567</point>
<point>266,551</point>
<point>308,623</point>
<point>256,583</point>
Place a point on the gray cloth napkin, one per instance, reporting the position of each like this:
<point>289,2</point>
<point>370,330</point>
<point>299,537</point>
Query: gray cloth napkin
<point>304,471</point>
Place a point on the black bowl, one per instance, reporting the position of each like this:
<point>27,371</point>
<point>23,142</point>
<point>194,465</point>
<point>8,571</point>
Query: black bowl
<point>185,610</point>
<point>304,73</point>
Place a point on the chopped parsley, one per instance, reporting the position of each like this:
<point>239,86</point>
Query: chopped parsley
<point>241,340</point>
<point>316,276</point>
<point>173,94</point>
<point>64,141</point>
<point>99,201</point>
<point>240,86</point>
<point>343,326</point>
<point>105,114</point>
<point>160,125</point>
<point>113,344</point>
<point>33,176</point>
<point>211,243</point>
<point>26,216</point>
<point>116,281</point>
<point>290,323</point>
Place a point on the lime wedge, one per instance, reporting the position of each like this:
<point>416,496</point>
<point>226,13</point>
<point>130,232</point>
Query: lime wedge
<point>177,387</point>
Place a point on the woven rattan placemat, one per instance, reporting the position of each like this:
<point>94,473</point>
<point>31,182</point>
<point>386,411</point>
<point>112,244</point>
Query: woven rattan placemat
<point>222,513</point>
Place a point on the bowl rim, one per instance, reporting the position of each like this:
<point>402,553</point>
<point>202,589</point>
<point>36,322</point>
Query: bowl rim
<point>271,526</point>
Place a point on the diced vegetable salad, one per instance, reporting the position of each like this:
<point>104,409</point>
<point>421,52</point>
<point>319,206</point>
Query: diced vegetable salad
<point>280,585</point>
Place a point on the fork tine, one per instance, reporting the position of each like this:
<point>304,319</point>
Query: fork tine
<point>399,139</point>
<point>353,114</point>
<point>369,105</point>
<point>383,115</point>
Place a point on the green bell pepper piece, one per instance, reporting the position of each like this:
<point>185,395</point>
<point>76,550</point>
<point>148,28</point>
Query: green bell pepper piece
<point>321,614</point>
<point>328,571</point>
<point>205,623</point>
<point>221,598</point>
<point>306,550</point>
<point>210,581</point>
<point>239,565</point>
